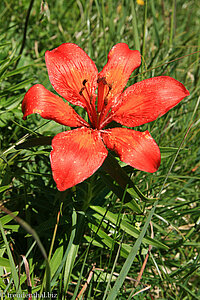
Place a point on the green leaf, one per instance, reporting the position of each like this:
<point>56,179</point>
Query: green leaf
<point>108,241</point>
<point>6,219</point>
<point>4,188</point>
<point>4,262</point>
<point>188,291</point>
<point>15,72</point>
<point>128,263</point>
<point>17,86</point>
<point>78,219</point>
<point>169,151</point>
<point>56,260</point>
<point>128,228</point>
<point>33,142</point>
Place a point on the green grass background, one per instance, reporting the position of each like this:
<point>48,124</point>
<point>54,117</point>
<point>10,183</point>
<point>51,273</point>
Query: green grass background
<point>119,224</point>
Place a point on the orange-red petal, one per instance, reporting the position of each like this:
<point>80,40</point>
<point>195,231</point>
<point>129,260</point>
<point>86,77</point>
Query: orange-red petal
<point>138,149</point>
<point>121,63</point>
<point>76,155</point>
<point>39,100</point>
<point>149,99</point>
<point>71,71</point>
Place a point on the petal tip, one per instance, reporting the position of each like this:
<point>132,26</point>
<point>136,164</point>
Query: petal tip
<point>155,167</point>
<point>187,93</point>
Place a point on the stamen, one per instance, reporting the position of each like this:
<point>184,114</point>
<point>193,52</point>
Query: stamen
<point>106,100</point>
<point>106,97</point>
<point>88,102</point>
<point>91,98</point>
<point>103,80</point>
<point>84,81</point>
<point>81,91</point>
<point>110,86</point>
<point>85,88</point>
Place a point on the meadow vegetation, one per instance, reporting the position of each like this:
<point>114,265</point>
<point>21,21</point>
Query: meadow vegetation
<point>92,240</point>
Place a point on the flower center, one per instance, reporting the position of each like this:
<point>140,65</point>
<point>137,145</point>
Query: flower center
<point>97,113</point>
<point>104,103</point>
<point>104,82</point>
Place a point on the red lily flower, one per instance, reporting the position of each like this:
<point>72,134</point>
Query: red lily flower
<point>78,153</point>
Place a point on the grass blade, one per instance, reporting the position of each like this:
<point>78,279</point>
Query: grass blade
<point>127,265</point>
<point>12,264</point>
<point>135,27</point>
<point>30,230</point>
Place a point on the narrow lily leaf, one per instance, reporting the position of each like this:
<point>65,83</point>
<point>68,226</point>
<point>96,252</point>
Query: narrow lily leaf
<point>5,44</point>
<point>128,263</point>
<point>169,151</point>
<point>12,227</point>
<point>108,241</point>
<point>131,205</point>
<point>79,281</point>
<point>15,72</point>
<point>17,86</point>
<point>94,242</point>
<point>6,219</point>
<point>4,188</point>
<point>112,167</point>
<point>4,262</point>
<point>188,291</point>
<point>39,141</point>
<point>103,276</point>
<point>128,228</point>
<point>69,264</point>
<point>65,257</point>
<point>77,231</point>
<point>4,63</point>
<point>119,192</point>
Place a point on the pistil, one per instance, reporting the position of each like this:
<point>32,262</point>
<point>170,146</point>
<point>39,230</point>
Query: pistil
<point>104,104</point>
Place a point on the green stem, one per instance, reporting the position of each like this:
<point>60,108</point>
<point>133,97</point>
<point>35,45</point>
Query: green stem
<point>25,32</point>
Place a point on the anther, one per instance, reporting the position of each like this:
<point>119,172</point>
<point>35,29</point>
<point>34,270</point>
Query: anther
<point>102,79</point>
<point>109,86</point>
<point>84,82</point>
<point>84,88</point>
<point>91,98</point>
<point>106,101</point>
<point>81,91</point>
